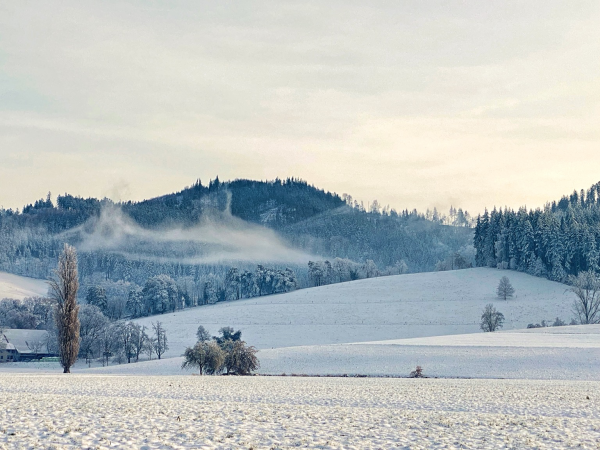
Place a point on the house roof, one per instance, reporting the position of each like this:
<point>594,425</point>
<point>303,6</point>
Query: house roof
<point>24,341</point>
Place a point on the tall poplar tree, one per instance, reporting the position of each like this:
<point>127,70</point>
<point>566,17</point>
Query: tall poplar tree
<point>64,290</point>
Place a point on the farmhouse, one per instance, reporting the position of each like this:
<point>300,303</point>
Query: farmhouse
<point>23,345</point>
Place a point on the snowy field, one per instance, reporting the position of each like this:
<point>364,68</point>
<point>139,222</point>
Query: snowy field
<point>44,412</point>
<point>561,353</point>
<point>395,307</point>
<point>14,286</point>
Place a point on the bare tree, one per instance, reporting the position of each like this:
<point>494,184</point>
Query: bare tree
<point>491,320</point>
<point>35,346</point>
<point>140,340</point>
<point>586,286</point>
<point>92,324</point>
<point>505,289</point>
<point>64,292</point>
<point>160,339</point>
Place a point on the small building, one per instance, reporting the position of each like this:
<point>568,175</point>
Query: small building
<point>23,345</point>
<point>8,352</point>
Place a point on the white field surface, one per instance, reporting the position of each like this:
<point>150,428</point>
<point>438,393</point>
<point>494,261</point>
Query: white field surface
<point>17,287</point>
<point>395,307</point>
<point>102,412</point>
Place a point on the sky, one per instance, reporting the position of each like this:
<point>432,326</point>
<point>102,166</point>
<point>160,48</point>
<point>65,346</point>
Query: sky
<point>416,104</point>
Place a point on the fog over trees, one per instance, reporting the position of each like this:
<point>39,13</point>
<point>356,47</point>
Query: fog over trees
<point>303,217</point>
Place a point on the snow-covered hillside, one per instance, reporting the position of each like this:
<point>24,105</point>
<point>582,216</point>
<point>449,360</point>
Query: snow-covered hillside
<point>14,286</point>
<point>395,307</point>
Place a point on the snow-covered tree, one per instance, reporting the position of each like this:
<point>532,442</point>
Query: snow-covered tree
<point>491,319</point>
<point>586,287</point>
<point>160,340</point>
<point>505,289</point>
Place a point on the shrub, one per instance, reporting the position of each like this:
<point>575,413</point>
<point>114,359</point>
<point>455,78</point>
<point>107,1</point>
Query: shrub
<point>417,373</point>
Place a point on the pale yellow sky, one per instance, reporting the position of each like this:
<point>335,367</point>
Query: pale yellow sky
<point>415,104</point>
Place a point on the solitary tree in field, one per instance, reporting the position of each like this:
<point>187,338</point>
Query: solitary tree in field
<point>491,320</point>
<point>161,344</point>
<point>586,286</point>
<point>505,289</point>
<point>64,291</point>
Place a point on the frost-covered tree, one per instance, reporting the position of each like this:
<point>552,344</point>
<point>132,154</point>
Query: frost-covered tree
<point>160,340</point>
<point>96,295</point>
<point>240,359</point>
<point>64,291</point>
<point>160,294</point>
<point>202,334</point>
<point>316,273</point>
<point>228,334</point>
<point>370,269</point>
<point>92,324</point>
<point>207,357</point>
<point>212,290</point>
<point>135,302</point>
<point>233,286</point>
<point>505,289</point>
<point>248,284</point>
<point>586,287</point>
<point>491,320</point>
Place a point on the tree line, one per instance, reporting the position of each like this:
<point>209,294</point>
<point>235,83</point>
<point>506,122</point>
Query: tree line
<point>557,241</point>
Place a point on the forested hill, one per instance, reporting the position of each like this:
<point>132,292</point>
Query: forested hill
<point>273,204</point>
<point>560,240</point>
<point>304,217</point>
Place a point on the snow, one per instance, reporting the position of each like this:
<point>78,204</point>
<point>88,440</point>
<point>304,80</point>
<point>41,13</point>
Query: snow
<point>381,327</point>
<point>17,287</point>
<point>570,353</point>
<point>394,307</point>
<point>75,411</point>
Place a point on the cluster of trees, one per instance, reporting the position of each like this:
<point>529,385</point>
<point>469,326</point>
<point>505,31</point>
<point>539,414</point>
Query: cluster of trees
<point>101,339</point>
<point>557,323</point>
<point>455,217</point>
<point>463,258</point>
<point>339,270</point>
<point>161,293</point>
<point>226,352</point>
<point>558,241</point>
<point>35,313</point>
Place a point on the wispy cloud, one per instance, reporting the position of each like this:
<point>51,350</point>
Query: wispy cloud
<point>217,238</point>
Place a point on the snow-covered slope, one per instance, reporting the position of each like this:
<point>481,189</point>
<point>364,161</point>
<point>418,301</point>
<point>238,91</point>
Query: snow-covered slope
<point>564,353</point>
<point>395,307</point>
<point>14,286</point>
